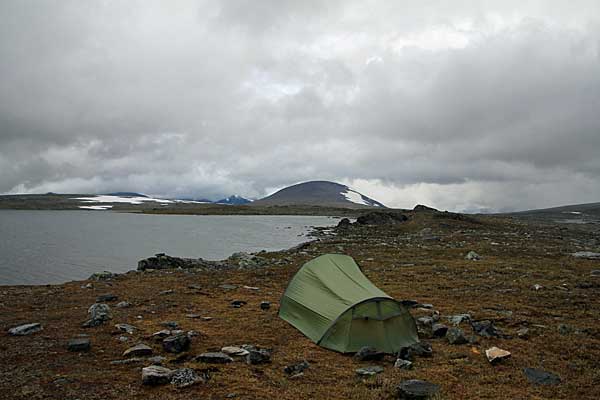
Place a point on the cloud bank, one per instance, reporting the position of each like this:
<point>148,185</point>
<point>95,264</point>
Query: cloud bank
<point>462,105</point>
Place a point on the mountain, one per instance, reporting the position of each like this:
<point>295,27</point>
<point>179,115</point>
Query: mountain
<point>319,193</point>
<point>589,212</point>
<point>233,200</point>
<point>126,194</point>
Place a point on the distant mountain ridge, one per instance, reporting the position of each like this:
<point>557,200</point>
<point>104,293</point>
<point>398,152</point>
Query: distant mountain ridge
<point>319,193</point>
<point>233,200</point>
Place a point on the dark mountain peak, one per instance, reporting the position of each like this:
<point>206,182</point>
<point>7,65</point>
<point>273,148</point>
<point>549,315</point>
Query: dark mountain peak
<point>234,200</point>
<point>320,193</point>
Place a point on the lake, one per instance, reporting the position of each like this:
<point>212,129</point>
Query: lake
<point>42,247</point>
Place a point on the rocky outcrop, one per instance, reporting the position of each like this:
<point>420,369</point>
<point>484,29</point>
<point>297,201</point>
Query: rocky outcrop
<point>239,260</point>
<point>381,218</point>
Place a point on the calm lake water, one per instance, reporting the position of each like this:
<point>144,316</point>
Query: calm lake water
<point>40,247</point>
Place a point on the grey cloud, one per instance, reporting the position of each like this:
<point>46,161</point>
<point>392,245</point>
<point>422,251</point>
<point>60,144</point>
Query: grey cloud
<point>213,98</point>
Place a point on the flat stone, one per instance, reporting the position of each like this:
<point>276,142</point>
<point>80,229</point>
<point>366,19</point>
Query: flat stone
<point>125,328</point>
<point>106,297</point>
<point>541,377</point>
<point>79,344</point>
<point>139,350</point>
<point>156,375</point>
<point>123,304</point>
<point>185,377</point>
<point>587,254</point>
<point>214,358</point>
<point>193,316</point>
<point>370,370</point>
<point>234,351</point>
<point>369,353</point>
<point>456,335</point>
<point>26,329</point>
<point>176,343</point>
<point>166,292</point>
<point>496,355</point>
<point>403,364</point>
<point>227,286</point>
<point>415,389</point>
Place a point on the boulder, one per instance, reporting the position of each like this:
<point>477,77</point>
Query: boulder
<point>541,377</point>
<point>420,349</point>
<point>423,208</point>
<point>296,368</point>
<point>185,377</point>
<point>458,319</point>
<point>79,345</point>
<point>456,336</point>
<point>496,355</point>
<point>403,364</point>
<point>439,330</point>
<point>156,375</point>
<point>368,353</point>
<point>485,328</point>
<point>139,350</point>
<point>344,223</point>
<point>102,276</point>
<point>258,357</point>
<point>176,343</point>
<point>99,313</point>
<point>370,370</point>
<point>472,256</point>
<point>214,358</point>
<point>415,389</point>
<point>26,329</point>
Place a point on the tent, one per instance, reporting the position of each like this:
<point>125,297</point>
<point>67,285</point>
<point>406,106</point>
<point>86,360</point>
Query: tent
<point>336,306</point>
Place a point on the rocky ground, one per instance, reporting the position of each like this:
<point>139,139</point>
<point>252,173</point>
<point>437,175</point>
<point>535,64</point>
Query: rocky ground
<point>521,291</point>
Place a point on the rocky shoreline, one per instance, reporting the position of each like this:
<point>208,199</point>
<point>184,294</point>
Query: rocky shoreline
<point>505,309</point>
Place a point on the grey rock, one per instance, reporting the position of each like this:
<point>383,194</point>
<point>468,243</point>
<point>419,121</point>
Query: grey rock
<point>106,297</point>
<point>246,260</point>
<point>156,375</point>
<point>125,328</point>
<point>439,330</point>
<point>99,313</point>
<point>258,357</point>
<point>458,319</point>
<point>234,351</point>
<point>102,276</point>
<point>214,358</point>
<point>473,256</point>
<point>523,333</point>
<point>456,335</point>
<point>185,377</point>
<point>265,305</point>
<point>166,292</point>
<point>541,377</point>
<point>123,304</point>
<point>227,286</point>
<point>176,344</point>
<point>370,370</point>
<point>595,272</point>
<point>381,218</point>
<point>139,350</point>
<point>415,389</point>
<point>587,255</point>
<point>26,329</point>
<point>296,368</point>
<point>564,329</point>
<point>485,328</point>
<point>238,303</point>
<point>425,321</point>
<point>193,316</point>
<point>344,223</point>
<point>79,344</point>
<point>369,353</point>
<point>420,349</point>
<point>403,364</point>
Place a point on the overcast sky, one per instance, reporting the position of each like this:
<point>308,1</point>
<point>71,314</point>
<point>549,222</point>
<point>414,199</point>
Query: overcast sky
<point>461,105</point>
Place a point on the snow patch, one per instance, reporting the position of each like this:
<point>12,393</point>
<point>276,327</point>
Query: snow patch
<point>572,212</point>
<point>97,208</point>
<point>119,199</point>
<point>355,197</point>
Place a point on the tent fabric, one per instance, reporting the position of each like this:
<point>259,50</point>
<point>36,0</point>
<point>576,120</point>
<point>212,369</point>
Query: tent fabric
<point>334,304</point>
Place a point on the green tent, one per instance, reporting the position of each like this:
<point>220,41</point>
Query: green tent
<point>336,306</point>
